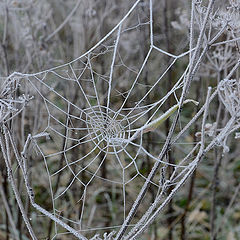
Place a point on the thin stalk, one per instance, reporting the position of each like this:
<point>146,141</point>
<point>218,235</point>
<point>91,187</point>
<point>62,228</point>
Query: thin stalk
<point>5,151</point>
<point>192,181</point>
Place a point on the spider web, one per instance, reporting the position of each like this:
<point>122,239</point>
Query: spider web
<point>89,137</point>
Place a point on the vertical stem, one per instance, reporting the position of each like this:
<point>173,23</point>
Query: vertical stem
<point>7,208</point>
<point>150,145</point>
<point>168,105</point>
<point>215,181</point>
<point>5,150</point>
<point>189,199</point>
<point>5,188</point>
<point>7,71</point>
<point>4,41</point>
<point>192,182</point>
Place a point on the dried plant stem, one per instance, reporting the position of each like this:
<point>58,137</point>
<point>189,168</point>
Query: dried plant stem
<point>139,229</point>
<point>6,156</point>
<point>8,210</point>
<point>64,22</point>
<point>192,181</point>
<point>4,42</point>
<point>214,192</point>
<point>225,216</point>
<point>169,137</point>
<point>22,164</point>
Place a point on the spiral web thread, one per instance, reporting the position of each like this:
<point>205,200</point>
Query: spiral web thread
<point>90,136</point>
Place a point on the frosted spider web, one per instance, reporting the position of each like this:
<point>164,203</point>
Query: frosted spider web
<point>91,136</point>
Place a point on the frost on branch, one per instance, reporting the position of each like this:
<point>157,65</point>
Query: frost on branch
<point>229,94</point>
<point>10,105</point>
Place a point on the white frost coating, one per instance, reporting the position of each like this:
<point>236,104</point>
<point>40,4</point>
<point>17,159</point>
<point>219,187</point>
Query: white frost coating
<point>229,93</point>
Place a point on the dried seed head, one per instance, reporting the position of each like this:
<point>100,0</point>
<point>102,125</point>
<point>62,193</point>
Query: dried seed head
<point>229,94</point>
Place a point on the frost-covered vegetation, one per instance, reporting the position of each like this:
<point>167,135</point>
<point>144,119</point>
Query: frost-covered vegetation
<point>119,119</point>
